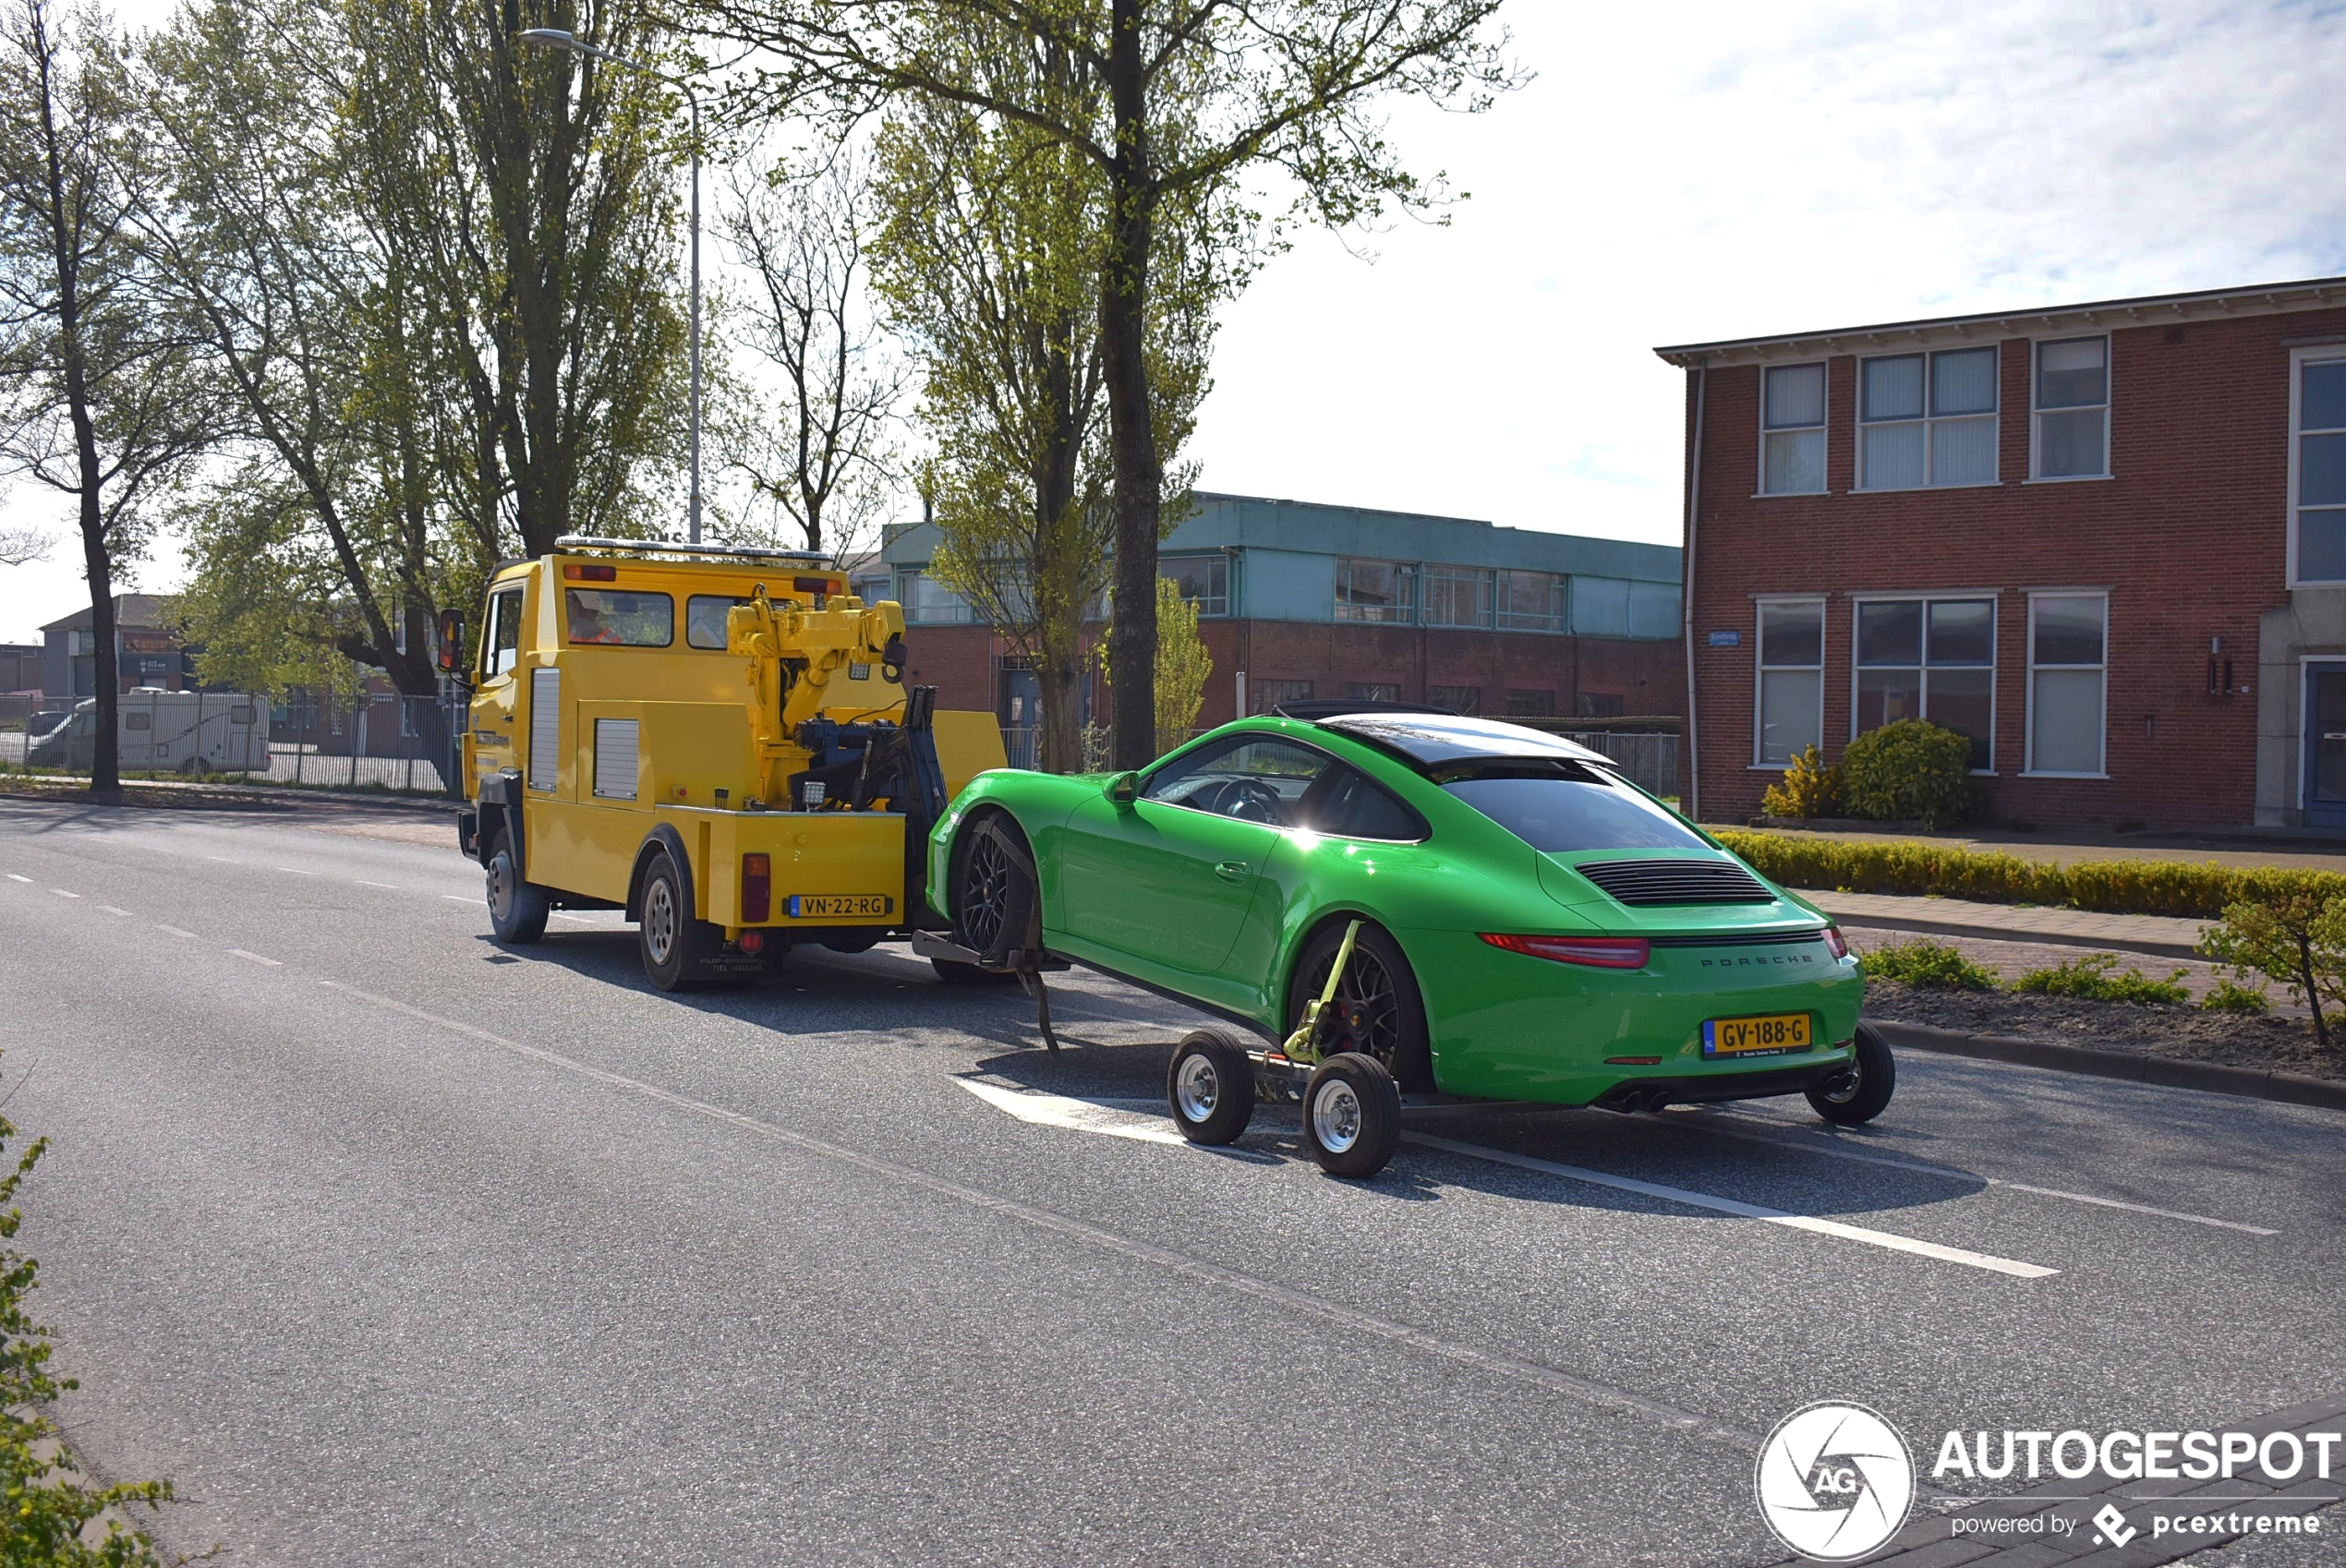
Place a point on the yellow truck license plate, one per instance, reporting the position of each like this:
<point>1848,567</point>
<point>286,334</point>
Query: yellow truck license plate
<point>1760,1036</point>
<point>835,906</point>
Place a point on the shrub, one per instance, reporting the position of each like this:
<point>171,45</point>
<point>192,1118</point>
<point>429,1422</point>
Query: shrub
<point>2226,996</point>
<point>2292,932</point>
<point>2090,976</point>
<point>1807,789</point>
<point>1924,962</point>
<point>49,1522</point>
<point>1910,769</point>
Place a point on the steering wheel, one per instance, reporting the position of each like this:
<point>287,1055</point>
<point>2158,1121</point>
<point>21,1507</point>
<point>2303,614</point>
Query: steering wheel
<point>1251,799</point>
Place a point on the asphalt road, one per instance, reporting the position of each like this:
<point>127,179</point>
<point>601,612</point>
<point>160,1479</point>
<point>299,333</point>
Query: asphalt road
<point>390,1246</point>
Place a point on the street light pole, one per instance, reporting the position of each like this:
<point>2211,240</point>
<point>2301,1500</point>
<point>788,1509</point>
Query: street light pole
<point>555,38</point>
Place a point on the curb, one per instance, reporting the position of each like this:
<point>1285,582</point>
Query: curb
<point>2006,934</point>
<point>2135,1066</point>
<point>435,805</point>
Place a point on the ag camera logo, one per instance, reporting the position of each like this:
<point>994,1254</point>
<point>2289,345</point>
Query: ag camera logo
<point>1834,1481</point>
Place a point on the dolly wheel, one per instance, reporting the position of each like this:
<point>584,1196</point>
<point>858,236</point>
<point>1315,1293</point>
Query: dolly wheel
<point>1861,1093</point>
<point>1211,1084</point>
<point>1351,1115</point>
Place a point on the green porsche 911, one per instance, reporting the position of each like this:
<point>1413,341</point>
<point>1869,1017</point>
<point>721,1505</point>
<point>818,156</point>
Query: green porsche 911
<point>1409,903</point>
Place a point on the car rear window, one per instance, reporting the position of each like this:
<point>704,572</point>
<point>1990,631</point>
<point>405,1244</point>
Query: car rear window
<point>1562,809</point>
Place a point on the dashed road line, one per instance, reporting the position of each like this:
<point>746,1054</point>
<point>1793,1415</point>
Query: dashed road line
<point>255,958</point>
<point>62,893</point>
<point>1076,1116</point>
<point>296,871</point>
<point>176,931</point>
<point>1705,1123</point>
<point>112,910</point>
<point>1279,1297</point>
<point>14,877</point>
<point>1691,1200</point>
<point>464,898</point>
<point>391,886</point>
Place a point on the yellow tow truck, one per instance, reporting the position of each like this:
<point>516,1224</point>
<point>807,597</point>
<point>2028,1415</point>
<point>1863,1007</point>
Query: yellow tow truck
<point>715,740</point>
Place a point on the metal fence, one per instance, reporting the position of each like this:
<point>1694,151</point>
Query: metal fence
<point>377,740</point>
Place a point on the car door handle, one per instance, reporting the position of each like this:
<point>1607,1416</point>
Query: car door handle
<point>1232,871</point>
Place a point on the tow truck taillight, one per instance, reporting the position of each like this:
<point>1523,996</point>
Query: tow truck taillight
<point>758,887</point>
<point>591,573</point>
<point>1601,952</point>
<point>1836,944</point>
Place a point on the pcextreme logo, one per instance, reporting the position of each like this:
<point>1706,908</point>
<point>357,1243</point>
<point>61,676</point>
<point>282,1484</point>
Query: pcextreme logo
<point>1834,1481</point>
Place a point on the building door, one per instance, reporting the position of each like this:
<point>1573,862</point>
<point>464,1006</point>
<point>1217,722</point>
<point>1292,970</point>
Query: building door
<point>2325,745</point>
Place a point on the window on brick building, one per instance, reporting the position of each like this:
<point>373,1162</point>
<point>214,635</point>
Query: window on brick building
<point>1205,580</point>
<point>1262,696</point>
<point>1928,658</point>
<point>1792,419</point>
<point>1927,419</point>
<point>2068,673</point>
<point>2318,466</point>
<point>1532,601</point>
<point>2073,409</point>
<point>1600,705</point>
<point>1459,699</point>
<point>1373,690</point>
<point>1524,704</point>
<point>1375,590</point>
<point>1456,596</point>
<point>1790,712</point>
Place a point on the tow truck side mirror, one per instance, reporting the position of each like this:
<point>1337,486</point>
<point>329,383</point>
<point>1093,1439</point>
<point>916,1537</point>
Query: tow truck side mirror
<point>1124,789</point>
<point>452,640</point>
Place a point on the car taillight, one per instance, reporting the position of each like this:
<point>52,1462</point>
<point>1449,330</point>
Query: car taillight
<point>758,887</point>
<point>1604,952</point>
<point>1836,944</point>
<point>591,573</point>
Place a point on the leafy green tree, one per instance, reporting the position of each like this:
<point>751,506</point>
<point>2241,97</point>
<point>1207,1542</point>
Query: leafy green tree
<point>989,258</point>
<point>100,399</point>
<point>1193,96</point>
<point>2293,932</point>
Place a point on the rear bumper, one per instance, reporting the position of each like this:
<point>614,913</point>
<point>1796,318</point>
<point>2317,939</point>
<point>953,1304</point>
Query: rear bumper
<point>1653,1094</point>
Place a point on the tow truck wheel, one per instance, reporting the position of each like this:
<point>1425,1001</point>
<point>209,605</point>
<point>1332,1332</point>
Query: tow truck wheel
<point>517,910</point>
<point>1211,1084</point>
<point>678,950</point>
<point>1351,1115</point>
<point>1863,1092</point>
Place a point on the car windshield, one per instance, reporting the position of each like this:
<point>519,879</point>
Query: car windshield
<point>1559,808</point>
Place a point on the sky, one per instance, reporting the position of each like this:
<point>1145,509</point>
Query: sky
<point>1693,171</point>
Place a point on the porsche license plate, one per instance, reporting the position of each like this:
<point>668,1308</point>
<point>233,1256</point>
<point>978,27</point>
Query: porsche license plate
<point>1758,1036</point>
<point>839,906</point>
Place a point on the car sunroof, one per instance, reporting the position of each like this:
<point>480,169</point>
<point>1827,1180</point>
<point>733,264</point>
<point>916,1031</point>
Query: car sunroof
<point>1437,737</point>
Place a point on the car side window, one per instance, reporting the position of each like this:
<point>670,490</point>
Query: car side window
<point>500,649</point>
<point>1251,777</point>
<point>1346,803</point>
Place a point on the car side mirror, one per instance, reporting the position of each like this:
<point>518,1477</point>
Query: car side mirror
<point>452,640</point>
<point>1124,789</point>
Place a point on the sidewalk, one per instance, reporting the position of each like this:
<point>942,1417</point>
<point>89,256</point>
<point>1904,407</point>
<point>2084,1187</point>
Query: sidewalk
<point>2239,847</point>
<point>2158,935</point>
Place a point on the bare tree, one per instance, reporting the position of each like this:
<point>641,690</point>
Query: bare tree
<point>22,546</point>
<point>98,396</point>
<point>824,465</point>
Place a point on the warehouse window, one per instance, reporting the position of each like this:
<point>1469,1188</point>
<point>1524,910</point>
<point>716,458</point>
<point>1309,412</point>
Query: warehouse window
<point>1928,658</point>
<point>1375,590</point>
<point>1456,596</point>
<point>1458,699</point>
<point>2068,671</point>
<point>2318,466</point>
<point>1791,707</point>
<point>1372,692</point>
<point>928,602</point>
<point>1531,601</point>
<point>1524,704</point>
<point>1792,418</point>
<point>2073,409</point>
<point>1927,420</point>
<point>1205,580</point>
<point>1268,696</point>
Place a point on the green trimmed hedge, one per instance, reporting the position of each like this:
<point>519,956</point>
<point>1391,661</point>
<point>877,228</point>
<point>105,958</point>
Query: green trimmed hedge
<point>2195,890</point>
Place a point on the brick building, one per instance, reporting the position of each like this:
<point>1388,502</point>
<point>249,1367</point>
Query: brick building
<point>2108,541</point>
<point>148,651</point>
<point>1297,600</point>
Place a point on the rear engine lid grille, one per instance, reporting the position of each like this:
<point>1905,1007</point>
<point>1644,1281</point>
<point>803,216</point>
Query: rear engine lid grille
<point>1676,881</point>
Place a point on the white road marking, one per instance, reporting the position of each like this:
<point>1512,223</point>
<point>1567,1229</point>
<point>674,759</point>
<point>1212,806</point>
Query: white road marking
<point>582,919</point>
<point>1741,1210</point>
<point>14,877</point>
<point>1278,1296</point>
<point>112,910</point>
<point>176,931</point>
<point>296,871</point>
<point>1076,1116</point>
<point>464,898</point>
<point>1704,1123</point>
<point>393,885</point>
<point>255,958</point>
<point>229,858</point>
<point>62,893</point>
